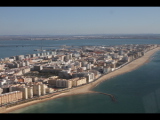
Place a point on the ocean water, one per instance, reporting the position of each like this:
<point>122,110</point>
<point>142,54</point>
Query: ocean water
<point>137,91</point>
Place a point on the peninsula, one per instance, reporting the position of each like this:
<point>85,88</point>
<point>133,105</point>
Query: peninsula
<point>77,72</point>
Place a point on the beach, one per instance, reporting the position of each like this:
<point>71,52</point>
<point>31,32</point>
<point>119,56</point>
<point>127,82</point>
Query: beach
<point>88,87</point>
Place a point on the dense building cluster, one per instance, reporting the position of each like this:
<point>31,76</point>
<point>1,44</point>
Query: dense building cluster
<point>26,76</point>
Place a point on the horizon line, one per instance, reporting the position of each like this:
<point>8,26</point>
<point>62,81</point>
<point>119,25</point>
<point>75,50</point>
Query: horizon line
<point>81,34</point>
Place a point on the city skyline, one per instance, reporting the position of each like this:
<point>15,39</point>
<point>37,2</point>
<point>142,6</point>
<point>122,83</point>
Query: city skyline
<point>79,20</point>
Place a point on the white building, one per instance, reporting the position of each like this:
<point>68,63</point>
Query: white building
<point>10,97</point>
<point>49,90</point>
<point>106,69</point>
<point>22,64</point>
<point>30,92</point>
<point>24,92</point>
<point>37,90</point>
<point>25,70</point>
<point>43,89</point>
<point>90,77</point>
<point>89,66</point>
<point>19,57</point>
<point>2,82</point>
<point>79,81</point>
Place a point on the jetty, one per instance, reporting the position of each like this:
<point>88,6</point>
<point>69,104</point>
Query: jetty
<point>111,96</point>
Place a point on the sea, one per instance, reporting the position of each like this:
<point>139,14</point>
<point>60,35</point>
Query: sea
<point>137,91</point>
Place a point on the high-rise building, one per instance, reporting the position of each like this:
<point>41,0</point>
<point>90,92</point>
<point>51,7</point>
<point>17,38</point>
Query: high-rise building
<point>49,90</point>
<point>33,55</point>
<point>52,82</point>
<point>30,92</point>
<point>37,90</point>
<point>24,92</point>
<point>43,89</point>
<point>19,57</point>
<point>10,97</point>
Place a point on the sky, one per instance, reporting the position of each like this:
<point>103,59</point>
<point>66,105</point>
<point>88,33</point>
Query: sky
<point>79,20</point>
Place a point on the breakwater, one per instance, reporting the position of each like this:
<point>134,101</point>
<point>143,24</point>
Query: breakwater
<point>110,95</point>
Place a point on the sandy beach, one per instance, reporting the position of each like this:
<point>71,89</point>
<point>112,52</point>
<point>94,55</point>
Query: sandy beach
<point>87,88</point>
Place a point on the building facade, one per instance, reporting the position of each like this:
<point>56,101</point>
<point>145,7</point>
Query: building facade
<point>37,90</point>
<point>10,97</point>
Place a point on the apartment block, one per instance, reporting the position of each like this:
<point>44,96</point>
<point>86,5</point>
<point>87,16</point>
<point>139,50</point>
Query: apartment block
<point>25,70</point>
<point>60,83</point>
<point>30,92</point>
<point>52,82</point>
<point>37,90</point>
<point>79,81</point>
<point>20,57</point>
<point>43,89</point>
<point>49,90</point>
<point>24,92</point>
<point>90,77</point>
<point>10,97</point>
<point>63,83</point>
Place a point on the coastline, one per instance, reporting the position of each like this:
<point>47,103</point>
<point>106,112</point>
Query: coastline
<point>87,88</point>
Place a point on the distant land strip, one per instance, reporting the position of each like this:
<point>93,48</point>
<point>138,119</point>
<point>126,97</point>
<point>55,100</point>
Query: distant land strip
<point>74,37</point>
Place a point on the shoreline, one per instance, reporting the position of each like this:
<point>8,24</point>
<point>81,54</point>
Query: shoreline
<point>87,88</point>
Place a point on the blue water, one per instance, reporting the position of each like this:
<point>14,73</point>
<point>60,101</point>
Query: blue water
<point>137,91</point>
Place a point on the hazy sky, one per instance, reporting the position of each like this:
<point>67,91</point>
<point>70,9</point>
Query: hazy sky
<point>78,20</point>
